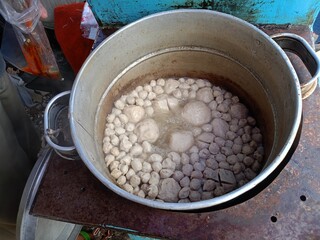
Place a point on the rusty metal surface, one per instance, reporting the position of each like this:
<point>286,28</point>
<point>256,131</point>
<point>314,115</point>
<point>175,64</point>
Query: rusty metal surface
<point>289,208</point>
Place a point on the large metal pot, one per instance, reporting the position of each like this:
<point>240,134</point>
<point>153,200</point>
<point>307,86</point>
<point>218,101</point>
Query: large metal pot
<point>193,43</point>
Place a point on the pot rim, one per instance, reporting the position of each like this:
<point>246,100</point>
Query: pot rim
<point>216,201</point>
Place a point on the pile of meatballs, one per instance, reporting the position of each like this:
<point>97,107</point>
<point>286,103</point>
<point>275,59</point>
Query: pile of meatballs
<point>181,140</point>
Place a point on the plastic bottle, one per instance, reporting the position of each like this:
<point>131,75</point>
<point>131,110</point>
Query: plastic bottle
<point>24,15</point>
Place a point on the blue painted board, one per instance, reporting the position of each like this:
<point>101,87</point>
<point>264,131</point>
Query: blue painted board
<point>122,12</point>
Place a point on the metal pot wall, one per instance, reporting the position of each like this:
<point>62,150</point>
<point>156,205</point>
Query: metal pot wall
<point>194,43</point>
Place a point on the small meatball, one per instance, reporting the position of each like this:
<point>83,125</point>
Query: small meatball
<point>146,167</point>
<point>115,151</point>
<point>156,166</point>
<point>209,185</point>
<point>246,138</point>
<point>168,164</point>
<point>158,90</point>
<point>135,181</point>
<point>211,174</point>
<point>206,137</point>
<point>141,194</point>
<point>145,177</point>
<point>219,191</point>
<point>173,103</point>
<point>161,82</point>
<point>223,108</point>
<point>204,153</point>
<point>187,169</point>
<point>110,118</point>
<point>175,157</point>
<point>196,113</point>
<point>171,85</point>
<point>125,145</point>
<point>151,96</point>
<point>224,165</point>
<point>251,121</point>
<point>136,165</point>
<point>194,196</point>
<point>220,127</point>
<point>127,187</point>
<point>139,102</point>
<point>214,148</point>
<point>116,173</point>
<point>256,166</point>
<point>236,148</point>
<point>185,159</point>
<point>184,192</point>
<point>147,147</point>
<point>177,93</point>
<point>197,174</point>
<point>257,137</point>
<point>119,130</point>
<point>231,135</point>
<point>249,174</point>
<point>114,165</point>
<point>181,141</point>
<point>147,130</point>
<point>194,149</point>
<point>212,163</point>
<point>201,83</point>
<point>121,180</point>
<point>236,168</point>
<point>154,178</point>
<point>205,95</point>
<point>194,157</point>
<point>248,161</point>
<point>136,150</point>
<point>220,141</point>
<point>232,159</point>
<point>195,184</point>
<point>123,118</point>
<point>239,111</point>
<point>109,159</point>
<point>178,175</point>
<point>169,190</point>
<point>226,151</point>
<point>161,104</point>
<point>213,105</point>
<point>130,173</point>
<point>134,113</point>
<point>228,143</point>
<point>185,182</point>
<point>206,195</point>
<point>166,173</point>
<point>155,158</point>
<point>198,166</point>
<point>247,150</point>
<point>124,168</point>
<point>220,157</point>
<point>227,176</point>
<point>153,191</point>
<point>130,127</point>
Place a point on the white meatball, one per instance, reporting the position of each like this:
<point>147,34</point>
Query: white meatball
<point>181,141</point>
<point>205,95</point>
<point>196,113</point>
<point>147,130</point>
<point>134,113</point>
<point>171,85</point>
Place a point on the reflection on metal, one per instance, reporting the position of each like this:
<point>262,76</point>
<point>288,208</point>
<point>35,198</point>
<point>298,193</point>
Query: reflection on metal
<point>121,12</point>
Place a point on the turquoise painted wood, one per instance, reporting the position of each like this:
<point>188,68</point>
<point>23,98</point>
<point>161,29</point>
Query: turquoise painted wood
<point>121,12</point>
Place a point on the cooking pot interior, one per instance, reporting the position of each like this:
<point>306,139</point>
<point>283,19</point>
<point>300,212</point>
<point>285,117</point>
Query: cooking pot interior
<point>198,44</point>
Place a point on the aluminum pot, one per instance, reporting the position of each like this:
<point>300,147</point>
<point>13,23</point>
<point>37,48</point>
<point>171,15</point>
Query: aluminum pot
<point>194,43</point>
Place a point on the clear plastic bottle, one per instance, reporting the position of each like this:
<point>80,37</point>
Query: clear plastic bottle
<point>24,15</point>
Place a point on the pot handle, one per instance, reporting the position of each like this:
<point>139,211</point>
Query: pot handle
<point>299,46</point>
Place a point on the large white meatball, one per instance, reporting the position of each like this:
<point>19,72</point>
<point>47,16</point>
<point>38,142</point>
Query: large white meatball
<point>181,141</point>
<point>196,113</point>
